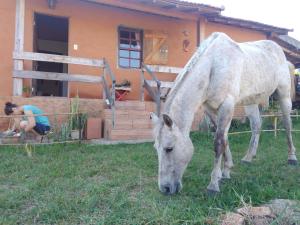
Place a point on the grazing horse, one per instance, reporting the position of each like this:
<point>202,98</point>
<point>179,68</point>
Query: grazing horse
<point>220,75</point>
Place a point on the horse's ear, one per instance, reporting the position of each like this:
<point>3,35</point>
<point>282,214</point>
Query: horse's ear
<point>167,120</point>
<point>154,118</point>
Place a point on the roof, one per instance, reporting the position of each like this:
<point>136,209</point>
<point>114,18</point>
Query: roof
<point>290,46</point>
<point>247,24</point>
<point>290,41</point>
<point>189,10</point>
<point>188,6</point>
<point>167,7</point>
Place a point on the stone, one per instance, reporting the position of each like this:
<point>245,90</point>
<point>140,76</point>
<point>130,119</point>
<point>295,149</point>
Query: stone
<point>287,211</point>
<point>262,211</point>
<point>233,219</point>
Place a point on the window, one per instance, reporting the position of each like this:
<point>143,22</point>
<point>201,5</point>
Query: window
<point>130,48</point>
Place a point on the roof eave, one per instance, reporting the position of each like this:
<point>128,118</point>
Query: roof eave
<point>248,24</point>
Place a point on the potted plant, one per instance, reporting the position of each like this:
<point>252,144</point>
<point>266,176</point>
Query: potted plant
<point>27,91</point>
<point>124,83</point>
<point>77,120</point>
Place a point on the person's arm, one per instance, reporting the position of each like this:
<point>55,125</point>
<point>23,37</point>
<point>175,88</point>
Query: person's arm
<point>31,120</point>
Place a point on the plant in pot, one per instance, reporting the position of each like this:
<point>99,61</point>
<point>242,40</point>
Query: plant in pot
<point>124,83</point>
<point>26,91</point>
<point>77,120</point>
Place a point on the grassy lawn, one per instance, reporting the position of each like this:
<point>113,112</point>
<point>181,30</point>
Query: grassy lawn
<point>85,184</point>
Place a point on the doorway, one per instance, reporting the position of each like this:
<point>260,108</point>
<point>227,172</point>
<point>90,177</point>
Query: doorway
<point>50,37</point>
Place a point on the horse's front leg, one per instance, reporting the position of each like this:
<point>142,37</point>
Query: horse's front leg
<point>252,113</point>
<point>228,163</point>
<point>224,118</point>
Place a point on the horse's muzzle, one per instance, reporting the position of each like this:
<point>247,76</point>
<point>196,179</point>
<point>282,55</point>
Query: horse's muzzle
<point>170,189</point>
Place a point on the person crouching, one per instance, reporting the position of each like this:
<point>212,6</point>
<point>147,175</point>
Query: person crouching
<point>35,121</point>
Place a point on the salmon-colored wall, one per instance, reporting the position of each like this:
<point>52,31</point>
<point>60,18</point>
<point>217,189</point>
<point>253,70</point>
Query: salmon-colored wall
<point>7,32</point>
<point>94,28</point>
<point>236,33</point>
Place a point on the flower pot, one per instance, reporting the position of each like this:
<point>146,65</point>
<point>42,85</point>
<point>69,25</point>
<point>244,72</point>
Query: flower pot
<point>75,134</point>
<point>94,128</point>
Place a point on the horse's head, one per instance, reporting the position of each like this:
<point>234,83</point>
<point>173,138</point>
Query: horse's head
<point>174,150</point>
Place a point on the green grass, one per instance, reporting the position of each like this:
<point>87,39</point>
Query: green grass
<point>84,184</point>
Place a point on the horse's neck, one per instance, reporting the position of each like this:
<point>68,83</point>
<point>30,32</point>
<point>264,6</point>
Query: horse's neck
<point>188,95</point>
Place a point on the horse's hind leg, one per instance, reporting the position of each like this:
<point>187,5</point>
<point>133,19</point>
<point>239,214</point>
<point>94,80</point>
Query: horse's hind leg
<point>224,118</point>
<point>286,106</point>
<point>283,91</point>
<point>252,112</point>
<point>228,163</point>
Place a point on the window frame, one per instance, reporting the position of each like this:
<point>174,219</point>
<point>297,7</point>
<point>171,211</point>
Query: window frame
<point>130,49</point>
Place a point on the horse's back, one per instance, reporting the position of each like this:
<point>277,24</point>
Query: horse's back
<point>264,68</point>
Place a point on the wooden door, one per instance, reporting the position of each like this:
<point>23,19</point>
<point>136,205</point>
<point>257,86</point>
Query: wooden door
<point>156,48</point>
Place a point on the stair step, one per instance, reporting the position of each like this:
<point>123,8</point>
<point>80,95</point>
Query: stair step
<point>130,114</point>
<point>134,134</point>
<point>130,105</point>
<point>127,124</point>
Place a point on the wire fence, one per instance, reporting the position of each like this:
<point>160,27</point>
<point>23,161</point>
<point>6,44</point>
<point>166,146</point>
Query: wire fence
<point>271,120</point>
<point>70,127</point>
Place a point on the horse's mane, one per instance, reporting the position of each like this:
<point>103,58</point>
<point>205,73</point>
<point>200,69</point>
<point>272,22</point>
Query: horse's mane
<point>190,65</point>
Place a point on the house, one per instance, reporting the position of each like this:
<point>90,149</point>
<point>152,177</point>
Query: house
<point>61,48</point>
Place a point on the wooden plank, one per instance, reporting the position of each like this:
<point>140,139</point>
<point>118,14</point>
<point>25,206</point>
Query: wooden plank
<point>164,69</point>
<point>19,44</point>
<point>28,74</point>
<point>58,59</point>
<point>163,84</point>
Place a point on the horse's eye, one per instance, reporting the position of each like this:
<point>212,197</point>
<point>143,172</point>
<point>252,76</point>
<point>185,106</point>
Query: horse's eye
<point>168,149</point>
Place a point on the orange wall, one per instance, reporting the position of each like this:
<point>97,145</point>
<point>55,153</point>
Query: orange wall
<point>7,26</point>
<point>94,28</point>
<point>236,33</point>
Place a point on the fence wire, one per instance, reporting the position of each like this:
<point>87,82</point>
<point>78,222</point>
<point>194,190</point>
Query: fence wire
<point>63,125</point>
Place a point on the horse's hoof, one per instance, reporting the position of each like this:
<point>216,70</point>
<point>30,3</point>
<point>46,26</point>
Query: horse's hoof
<point>212,193</point>
<point>246,162</point>
<point>292,162</point>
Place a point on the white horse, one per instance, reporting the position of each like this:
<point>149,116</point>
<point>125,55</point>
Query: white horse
<point>221,74</point>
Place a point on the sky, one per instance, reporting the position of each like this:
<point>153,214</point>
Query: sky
<point>278,13</point>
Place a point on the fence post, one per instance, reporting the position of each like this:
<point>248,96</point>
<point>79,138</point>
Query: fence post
<point>275,126</point>
<point>142,85</point>
<point>80,127</point>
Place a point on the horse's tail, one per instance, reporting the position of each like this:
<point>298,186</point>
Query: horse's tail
<point>292,70</point>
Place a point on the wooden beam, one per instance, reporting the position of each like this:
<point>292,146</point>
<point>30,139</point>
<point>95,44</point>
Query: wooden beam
<point>164,69</point>
<point>56,76</point>
<point>58,59</point>
<point>19,44</point>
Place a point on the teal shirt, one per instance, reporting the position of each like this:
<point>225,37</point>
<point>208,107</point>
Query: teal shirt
<point>37,111</point>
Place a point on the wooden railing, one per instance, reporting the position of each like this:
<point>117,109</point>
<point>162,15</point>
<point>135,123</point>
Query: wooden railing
<point>32,56</point>
<point>154,94</point>
<point>109,94</point>
<point>154,86</point>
